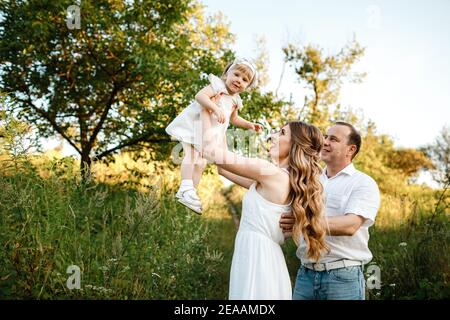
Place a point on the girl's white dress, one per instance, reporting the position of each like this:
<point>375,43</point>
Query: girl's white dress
<point>187,126</point>
<point>258,268</point>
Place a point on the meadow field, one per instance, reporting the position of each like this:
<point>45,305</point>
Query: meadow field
<point>134,241</point>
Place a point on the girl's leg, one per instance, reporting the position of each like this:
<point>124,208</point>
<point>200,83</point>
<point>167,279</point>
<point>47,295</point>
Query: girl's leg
<point>200,162</point>
<point>207,132</point>
<point>186,193</point>
<point>187,165</point>
<point>198,170</point>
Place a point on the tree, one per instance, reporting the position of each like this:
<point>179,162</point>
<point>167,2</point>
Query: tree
<point>16,137</point>
<point>393,168</point>
<point>409,161</point>
<point>115,82</point>
<point>439,152</point>
<point>262,60</point>
<point>323,75</point>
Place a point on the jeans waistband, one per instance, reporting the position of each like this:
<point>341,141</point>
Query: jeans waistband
<point>332,265</point>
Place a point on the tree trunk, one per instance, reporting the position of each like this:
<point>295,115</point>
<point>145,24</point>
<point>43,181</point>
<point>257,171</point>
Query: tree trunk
<point>85,167</point>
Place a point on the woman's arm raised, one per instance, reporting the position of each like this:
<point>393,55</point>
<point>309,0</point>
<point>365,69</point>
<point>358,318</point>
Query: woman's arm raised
<point>239,180</point>
<point>251,168</point>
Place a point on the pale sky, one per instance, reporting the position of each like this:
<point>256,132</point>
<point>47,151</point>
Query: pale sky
<point>407,59</point>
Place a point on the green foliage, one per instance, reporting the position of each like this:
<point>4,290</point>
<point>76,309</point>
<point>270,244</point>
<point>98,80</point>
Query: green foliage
<point>116,81</point>
<point>439,152</point>
<point>391,167</point>
<point>16,136</point>
<point>409,161</point>
<point>128,245</point>
<point>414,254</point>
<point>323,76</point>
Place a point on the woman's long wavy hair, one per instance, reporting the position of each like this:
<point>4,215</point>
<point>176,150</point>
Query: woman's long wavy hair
<point>306,190</point>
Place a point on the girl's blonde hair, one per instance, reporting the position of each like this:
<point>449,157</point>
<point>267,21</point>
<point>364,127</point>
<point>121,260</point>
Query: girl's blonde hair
<point>246,70</point>
<point>306,190</point>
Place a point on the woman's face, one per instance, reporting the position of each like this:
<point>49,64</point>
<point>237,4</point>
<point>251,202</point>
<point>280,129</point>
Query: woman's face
<point>281,144</point>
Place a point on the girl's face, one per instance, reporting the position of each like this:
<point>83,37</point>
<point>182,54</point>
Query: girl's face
<point>281,144</point>
<point>237,81</point>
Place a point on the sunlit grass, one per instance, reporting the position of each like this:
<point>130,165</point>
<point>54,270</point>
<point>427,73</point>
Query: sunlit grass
<point>132,240</point>
<point>130,243</point>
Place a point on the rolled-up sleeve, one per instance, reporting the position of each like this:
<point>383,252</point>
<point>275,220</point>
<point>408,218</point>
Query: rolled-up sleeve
<point>364,200</point>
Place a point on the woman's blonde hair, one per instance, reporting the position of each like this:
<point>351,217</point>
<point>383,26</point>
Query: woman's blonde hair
<point>306,190</point>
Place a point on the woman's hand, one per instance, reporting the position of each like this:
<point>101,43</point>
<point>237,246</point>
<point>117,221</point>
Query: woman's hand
<point>220,115</point>
<point>218,112</point>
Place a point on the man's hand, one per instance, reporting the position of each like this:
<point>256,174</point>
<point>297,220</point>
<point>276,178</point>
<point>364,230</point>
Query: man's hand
<point>287,221</point>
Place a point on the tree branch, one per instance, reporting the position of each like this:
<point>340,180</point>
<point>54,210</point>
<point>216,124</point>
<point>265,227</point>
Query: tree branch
<point>99,125</point>
<point>55,126</point>
<point>130,143</point>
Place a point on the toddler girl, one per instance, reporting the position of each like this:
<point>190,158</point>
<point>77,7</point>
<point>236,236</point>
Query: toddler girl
<point>220,101</point>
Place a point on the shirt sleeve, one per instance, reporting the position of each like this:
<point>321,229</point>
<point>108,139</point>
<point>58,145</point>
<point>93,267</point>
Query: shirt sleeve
<point>365,200</point>
<point>217,84</point>
<point>239,102</point>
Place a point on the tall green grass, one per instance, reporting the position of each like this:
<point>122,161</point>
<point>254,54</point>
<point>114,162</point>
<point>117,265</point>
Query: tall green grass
<point>128,244</point>
<point>139,243</point>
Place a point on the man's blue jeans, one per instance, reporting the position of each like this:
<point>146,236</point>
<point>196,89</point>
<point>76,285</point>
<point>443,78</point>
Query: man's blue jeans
<point>337,284</point>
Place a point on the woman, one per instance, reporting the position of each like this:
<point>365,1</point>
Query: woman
<point>291,182</point>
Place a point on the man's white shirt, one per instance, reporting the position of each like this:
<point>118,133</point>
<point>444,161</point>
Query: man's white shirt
<point>349,191</point>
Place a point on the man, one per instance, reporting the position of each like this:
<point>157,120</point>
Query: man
<point>352,201</point>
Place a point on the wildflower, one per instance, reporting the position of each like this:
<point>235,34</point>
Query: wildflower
<point>392,285</point>
<point>402,244</point>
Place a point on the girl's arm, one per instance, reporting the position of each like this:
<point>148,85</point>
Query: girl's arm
<point>242,123</point>
<point>203,97</point>
<point>239,122</point>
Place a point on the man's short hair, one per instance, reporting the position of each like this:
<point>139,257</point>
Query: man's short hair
<point>353,138</point>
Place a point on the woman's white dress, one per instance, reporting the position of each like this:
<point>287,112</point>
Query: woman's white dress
<point>187,126</point>
<point>258,268</point>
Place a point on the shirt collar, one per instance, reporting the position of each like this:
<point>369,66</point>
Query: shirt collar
<point>348,170</point>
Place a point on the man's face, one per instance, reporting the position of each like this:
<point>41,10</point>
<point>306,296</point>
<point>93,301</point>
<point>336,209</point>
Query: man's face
<point>335,147</point>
